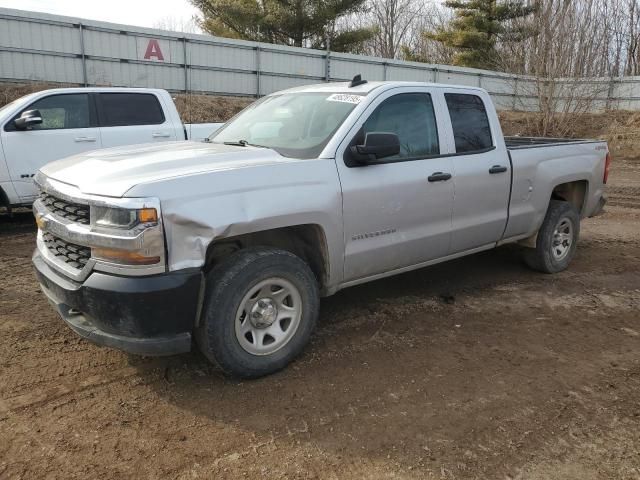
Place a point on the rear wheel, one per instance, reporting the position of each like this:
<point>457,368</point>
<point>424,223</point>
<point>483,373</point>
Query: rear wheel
<point>557,239</point>
<point>260,309</point>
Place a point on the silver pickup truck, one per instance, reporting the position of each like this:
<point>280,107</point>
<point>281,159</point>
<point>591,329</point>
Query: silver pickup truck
<point>231,242</point>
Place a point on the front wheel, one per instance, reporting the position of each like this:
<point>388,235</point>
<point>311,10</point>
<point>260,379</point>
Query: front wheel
<point>260,308</point>
<point>557,239</point>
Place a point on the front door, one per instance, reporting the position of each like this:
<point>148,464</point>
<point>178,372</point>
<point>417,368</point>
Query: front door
<point>66,130</point>
<point>397,211</point>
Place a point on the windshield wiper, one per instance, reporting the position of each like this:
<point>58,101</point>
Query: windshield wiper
<point>243,143</point>
<point>238,143</point>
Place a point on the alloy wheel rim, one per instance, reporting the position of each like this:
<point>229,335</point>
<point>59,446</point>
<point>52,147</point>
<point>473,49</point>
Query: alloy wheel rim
<point>562,239</point>
<point>268,316</point>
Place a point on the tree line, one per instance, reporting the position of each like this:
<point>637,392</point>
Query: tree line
<point>543,38</point>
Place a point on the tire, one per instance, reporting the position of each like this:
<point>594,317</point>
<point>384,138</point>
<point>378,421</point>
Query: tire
<point>237,322</point>
<point>561,224</point>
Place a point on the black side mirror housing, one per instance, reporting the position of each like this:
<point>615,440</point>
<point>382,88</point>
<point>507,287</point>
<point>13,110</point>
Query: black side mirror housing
<point>376,145</point>
<point>28,119</point>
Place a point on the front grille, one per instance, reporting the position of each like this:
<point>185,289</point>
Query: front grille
<point>62,208</point>
<point>73,255</point>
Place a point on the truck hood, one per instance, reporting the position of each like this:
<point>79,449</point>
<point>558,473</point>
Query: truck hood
<point>114,171</point>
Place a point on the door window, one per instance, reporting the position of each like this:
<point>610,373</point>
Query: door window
<point>411,117</point>
<point>126,109</point>
<point>60,112</point>
<point>470,123</point>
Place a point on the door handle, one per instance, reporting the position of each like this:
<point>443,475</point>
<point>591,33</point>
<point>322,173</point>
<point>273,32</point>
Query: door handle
<point>160,135</point>
<point>85,139</point>
<point>497,169</point>
<point>439,177</point>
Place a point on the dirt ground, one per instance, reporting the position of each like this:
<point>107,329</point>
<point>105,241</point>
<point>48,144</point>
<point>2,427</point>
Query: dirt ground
<point>478,368</point>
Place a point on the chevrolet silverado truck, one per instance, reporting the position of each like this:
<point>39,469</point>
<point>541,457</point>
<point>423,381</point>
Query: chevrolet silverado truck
<point>52,124</point>
<point>229,244</point>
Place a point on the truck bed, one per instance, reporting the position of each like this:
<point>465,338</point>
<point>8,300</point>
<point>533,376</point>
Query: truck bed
<point>534,142</point>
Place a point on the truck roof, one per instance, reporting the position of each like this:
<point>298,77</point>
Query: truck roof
<point>102,90</point>
<point>365,88</point>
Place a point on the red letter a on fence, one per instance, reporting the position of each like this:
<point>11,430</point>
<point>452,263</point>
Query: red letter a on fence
<point>153,50</point>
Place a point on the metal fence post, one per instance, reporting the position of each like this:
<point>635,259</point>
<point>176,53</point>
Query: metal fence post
<point>83,56</point>
<point>515,93</point>
<point>186,65</point>
<point>258,71</point>
<point>327,67</point>
<point>384,74</point>
<point>610,93</point>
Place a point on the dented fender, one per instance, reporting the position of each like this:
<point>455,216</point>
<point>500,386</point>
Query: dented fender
<point>200,209</point>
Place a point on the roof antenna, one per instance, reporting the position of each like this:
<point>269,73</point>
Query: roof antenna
<point>357,80</point>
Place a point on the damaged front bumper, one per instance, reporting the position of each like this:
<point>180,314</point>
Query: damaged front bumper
<point>152,315</point>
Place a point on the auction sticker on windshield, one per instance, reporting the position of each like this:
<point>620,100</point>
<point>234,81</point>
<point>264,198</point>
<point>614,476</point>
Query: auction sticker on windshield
<point>345,98</point>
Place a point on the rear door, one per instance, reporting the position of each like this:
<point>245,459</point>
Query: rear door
<point>482,178</point>
<point>131,118</point>
<point>397,211</point>
<point>68,127</point>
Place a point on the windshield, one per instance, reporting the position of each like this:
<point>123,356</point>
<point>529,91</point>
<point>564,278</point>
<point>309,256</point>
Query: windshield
<point>297,125</point>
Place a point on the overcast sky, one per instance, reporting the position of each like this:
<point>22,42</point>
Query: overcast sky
<point>143,13</point>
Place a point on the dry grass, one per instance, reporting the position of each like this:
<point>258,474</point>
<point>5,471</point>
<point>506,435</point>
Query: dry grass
<point>620,128</point>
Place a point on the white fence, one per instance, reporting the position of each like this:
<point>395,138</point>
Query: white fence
<point>55,49</point>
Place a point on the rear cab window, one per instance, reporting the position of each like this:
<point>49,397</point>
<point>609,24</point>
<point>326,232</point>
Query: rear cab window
<point>129,109</point>
<point>470,123</point>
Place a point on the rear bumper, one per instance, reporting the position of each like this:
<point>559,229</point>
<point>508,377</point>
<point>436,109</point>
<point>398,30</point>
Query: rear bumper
<point>141,315</point>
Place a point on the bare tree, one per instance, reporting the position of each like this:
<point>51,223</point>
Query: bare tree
<point>395,21</point>
<point>178,24</point>
<point>420,48</point>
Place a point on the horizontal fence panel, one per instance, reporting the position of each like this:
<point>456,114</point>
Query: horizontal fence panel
<point>287,63</point>
<point>345,67</point>
<point>498,85</point>
<point>271,83</point>
<point>399,73</point>
<point>119,74</point>
<point>218,56</point>
<point>218,82</point>
<point>17,33</point>
<point>40,68</point>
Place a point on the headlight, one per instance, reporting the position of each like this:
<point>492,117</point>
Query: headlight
<point>124,225</point>
<point>123,218</point>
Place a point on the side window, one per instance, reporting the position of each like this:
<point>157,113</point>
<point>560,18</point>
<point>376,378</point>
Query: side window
<point>124,109</point>
<point>62,112</point>
<point>470,123</point>
<point>411,117</point>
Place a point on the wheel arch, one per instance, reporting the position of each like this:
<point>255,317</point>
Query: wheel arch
<point>574,192</point>
<point>307,241</point>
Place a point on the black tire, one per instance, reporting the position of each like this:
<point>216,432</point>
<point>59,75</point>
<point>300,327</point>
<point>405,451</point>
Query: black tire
<point>227,284</point>
<point>542,257</point>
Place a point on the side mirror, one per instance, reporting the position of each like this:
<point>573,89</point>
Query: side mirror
<point>28,119</point>
<point>376,145</point>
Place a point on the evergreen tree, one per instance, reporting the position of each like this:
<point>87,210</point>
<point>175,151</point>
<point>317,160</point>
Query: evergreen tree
<point>298,23</point>
<point>477,27</point>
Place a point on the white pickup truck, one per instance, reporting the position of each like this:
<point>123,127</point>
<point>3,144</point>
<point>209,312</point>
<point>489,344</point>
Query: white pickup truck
<point>233,241</point>
<point>52,124</point>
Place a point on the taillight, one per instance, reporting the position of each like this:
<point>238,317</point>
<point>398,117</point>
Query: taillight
<point>607,165</point>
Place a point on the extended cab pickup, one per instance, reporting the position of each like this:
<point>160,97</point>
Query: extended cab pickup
<point>53,124</point>
<point>232,242</point>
